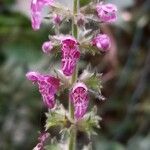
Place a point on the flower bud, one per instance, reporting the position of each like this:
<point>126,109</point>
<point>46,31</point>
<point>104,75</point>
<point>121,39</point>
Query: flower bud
<point>102,42</point>
<point>47,47</point>
<point>106,12</point>
<point>80,100</point>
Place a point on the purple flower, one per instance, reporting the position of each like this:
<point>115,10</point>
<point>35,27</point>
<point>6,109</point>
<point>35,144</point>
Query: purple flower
<point>48,87</point>
<point>42,139</point>
<point>36,8</point>
<point>102,42</point>
<point>36,20</point>
<point>56,19</point>
<point>68,65</point>
<point>70,55</point>
<point>47,47</point>
<point>33,76</point>
<point>106,12</point>
<point>80,99</point>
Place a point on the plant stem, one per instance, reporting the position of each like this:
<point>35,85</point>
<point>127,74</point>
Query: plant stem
<point>72,140</point>
<point>75,12</point>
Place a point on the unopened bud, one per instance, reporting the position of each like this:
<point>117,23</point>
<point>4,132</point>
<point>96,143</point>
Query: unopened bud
<point>102,42</point>
<point>106,12</point>
<point>47,47</point>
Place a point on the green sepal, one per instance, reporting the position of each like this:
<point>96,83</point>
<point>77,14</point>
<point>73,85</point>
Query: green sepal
<point>89,122</point>
<point>93,81</point>
<point>57,117</point>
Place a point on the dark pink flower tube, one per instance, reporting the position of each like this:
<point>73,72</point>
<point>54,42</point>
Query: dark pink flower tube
<point>36,20</point>
<point>36,8</point>
<point>102,42</point>
<point>80,99</point>
<point>48,86</point>
<point>106,12</point>
<point>70,54</point>
<point>68,65</point>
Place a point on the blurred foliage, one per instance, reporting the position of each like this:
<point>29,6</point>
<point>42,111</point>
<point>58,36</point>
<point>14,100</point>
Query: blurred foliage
<point>126,113</point>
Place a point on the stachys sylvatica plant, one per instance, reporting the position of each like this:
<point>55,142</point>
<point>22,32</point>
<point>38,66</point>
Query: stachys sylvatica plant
<point>81,39</point>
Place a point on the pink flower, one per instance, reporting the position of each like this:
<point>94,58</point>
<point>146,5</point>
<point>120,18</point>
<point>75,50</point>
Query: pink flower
<point>106,12</point>
<point>48,87</point>
<point>33,76</point>
<point>42,139</point>
<point>68,66</point>
<point>70,54</point>
<point>47,47</point>
<point>36,20</point>
<point>80,99</point>
<point>102,42</point>
<point>56,19</point>
<point>36,8</point>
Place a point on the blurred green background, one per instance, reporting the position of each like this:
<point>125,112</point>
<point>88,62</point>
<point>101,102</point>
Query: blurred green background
<point>126,79</point>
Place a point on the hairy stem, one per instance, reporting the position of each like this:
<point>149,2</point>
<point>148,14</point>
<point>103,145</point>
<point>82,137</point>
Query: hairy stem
<point>72,140</point>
